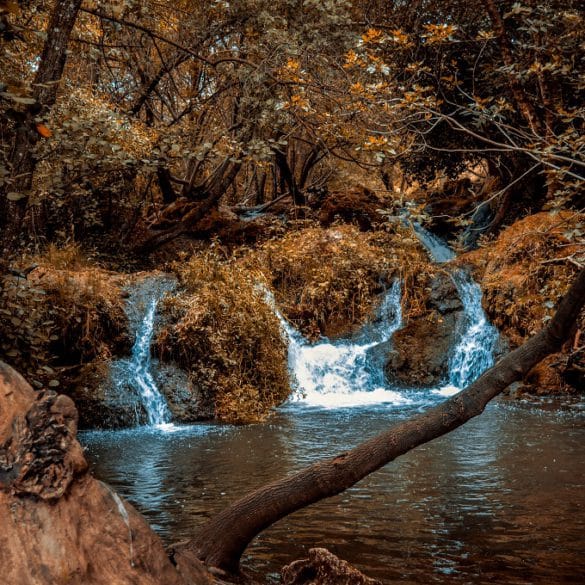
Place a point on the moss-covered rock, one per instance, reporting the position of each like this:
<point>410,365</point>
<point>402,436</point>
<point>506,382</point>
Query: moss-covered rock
<point>62,315</point>
<point>328,281</point>
<point>421,349</point>
<point>221,331</point>
<point>523,274</point>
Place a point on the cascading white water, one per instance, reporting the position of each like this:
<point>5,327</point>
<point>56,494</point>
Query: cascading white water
<point>350,372</point>
<point>136,373</point>
<point>344,372</point>
<point>474,353</point>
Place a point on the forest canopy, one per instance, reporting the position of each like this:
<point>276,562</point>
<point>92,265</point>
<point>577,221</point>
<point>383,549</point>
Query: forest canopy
<point>134,119</point>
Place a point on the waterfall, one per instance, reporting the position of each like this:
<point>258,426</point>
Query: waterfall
<point>474,353</point>
<point>350,372</point>
<point>437,249</point>
<point>347,372</point>
<point>136,373</point>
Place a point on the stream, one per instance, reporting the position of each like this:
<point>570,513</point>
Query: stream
<point>499,500</point>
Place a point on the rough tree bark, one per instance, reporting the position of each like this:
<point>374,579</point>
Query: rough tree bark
<point>21,160</point>
<point>223,540</point>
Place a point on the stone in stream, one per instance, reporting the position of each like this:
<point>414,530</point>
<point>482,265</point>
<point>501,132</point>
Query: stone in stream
<point>421,349</point>
<point>59,524</point>
<point>323,568</point>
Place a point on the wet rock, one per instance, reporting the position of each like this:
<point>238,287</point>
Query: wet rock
<point>323,568</point>
<point>106,400</point>
<point>185,399</point>
<point>59,524</point>
<point>420,353</point>
<point>574,373</point>
<point>101,400</point>
<point>546,377</point>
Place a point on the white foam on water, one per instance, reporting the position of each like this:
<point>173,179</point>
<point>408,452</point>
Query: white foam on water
<point>344,373</point>
<point>446,391</point>
<point>350,373</point>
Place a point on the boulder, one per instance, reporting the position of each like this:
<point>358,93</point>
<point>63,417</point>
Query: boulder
<point>323,568</point>
<point>102,401</point>
<point>420,351</point>
<point>184,398</point>
<point>59,524</point>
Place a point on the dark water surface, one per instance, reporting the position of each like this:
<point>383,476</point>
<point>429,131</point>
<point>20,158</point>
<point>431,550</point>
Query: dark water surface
<point>500,500</point>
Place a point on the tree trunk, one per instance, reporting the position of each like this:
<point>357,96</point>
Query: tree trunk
<point>212,191</point>
<point>223,540</point>
<point>288,178</point>
<point>21,160</point>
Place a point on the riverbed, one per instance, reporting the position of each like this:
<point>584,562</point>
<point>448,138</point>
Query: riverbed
<point>500,500</point>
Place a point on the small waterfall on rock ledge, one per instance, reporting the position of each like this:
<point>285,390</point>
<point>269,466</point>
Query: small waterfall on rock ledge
<point>475,351</point>
<point>346,372</point>
<point>136,373</point>
<point>350,372</point>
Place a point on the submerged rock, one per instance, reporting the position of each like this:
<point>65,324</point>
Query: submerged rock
<point>420,352</point>
<point>59,524</point>
<point>323,568</point>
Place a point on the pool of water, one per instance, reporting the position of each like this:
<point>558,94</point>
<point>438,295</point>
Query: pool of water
<point>500,500</point>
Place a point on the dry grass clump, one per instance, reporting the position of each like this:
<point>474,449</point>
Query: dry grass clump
<point>525,271</point>
<point>64,313</point>
<point>327,281</point>
<point>528,268</point>
<point>224,334</point>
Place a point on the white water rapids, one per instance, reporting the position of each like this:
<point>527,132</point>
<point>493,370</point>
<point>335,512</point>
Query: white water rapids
<point>345,372</point>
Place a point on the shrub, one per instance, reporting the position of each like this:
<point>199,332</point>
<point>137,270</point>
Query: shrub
<point>66,312</point>
<point>224,334</point>
<point>328,281</point>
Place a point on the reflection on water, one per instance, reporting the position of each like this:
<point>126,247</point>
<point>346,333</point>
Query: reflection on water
<point>500,500</point>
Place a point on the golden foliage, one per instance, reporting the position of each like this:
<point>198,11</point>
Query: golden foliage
<point>527,269</point>
<point>65,313</point>
<point>328,281</point>
<point>229,340</point>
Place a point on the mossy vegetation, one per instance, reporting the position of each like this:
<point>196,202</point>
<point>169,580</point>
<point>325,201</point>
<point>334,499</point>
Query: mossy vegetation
<point>223,333</point>
<point>328,281</point>
<point>524,272</point>
<point>65,312</point>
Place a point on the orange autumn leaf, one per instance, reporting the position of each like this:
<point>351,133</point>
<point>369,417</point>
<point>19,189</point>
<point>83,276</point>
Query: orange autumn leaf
<point>44,131</point>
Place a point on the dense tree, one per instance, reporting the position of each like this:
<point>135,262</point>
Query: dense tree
<point>471,82</point>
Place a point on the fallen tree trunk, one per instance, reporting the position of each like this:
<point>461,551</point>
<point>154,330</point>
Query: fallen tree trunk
<point>222,541</point>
